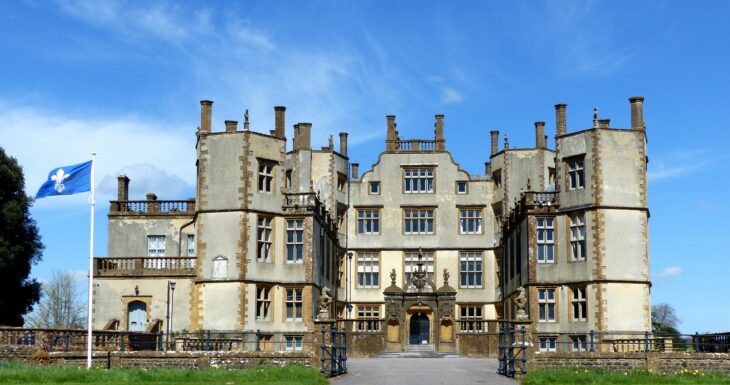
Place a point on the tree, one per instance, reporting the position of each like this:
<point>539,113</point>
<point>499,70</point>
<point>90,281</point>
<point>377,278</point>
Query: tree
<point>20,245</point>
<point>61,305</point>
<point>664,319</point>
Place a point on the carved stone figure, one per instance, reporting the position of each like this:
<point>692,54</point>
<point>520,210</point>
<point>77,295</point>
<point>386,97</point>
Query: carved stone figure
<point>325,299</point>
<point>520,302</point>
<point>446,277</point>
<point>392,277</point>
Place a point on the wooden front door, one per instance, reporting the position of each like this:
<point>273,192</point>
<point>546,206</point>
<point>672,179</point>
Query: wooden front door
<point>137,315</point>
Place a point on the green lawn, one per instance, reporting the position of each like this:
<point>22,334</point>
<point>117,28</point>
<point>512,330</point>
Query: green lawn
<point>297,375</point>
<point>604,377</point>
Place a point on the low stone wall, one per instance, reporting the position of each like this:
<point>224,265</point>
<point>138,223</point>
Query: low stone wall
<point>478,344</point>
<point>365,344</point>
<point>181,360</point>
<point>658,362</point>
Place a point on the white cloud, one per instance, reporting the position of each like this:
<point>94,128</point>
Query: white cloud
<point>450,95</point>
<point>42,140</point>
<point>659,171</point>
<point>674,271</point>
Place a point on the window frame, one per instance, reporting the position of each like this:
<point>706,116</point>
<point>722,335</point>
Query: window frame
<point>294,304</point>
<point>375,183</point>
<point>368,317</point>
<point>478,274</point>
<point>545,247</point>
<point>374,219</point>
<point>471,323</point>
<point>409,220</point>
<point>579,343</point>
<point>464,220</point>
<point>264,308</point>
<point>293,343</point>
<point>265,245</point>
<point>548,344</point>
<point>156,241</point>
<point>466,187</point>
<point>266,176</point>
<point>191,245</point>
<point>424,173</point>
<point>579,304</point>
<point>575,172</point>
<point>297,246</point>
<point>371,260</point>
<point>546,305</point>
<point>577,236</point>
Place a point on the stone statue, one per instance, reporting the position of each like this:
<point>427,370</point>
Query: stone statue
<point>446,277</point>
<point>520,302</point>
<point>392,277</point>
<point>331,142</point>
<point>325,299</point>
<point>245,120</point>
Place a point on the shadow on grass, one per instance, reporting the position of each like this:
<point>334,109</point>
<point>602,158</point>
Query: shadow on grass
<point>605,377</point>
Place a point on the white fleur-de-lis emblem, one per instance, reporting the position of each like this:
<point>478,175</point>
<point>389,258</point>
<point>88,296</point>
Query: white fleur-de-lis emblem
<point>59,178</point>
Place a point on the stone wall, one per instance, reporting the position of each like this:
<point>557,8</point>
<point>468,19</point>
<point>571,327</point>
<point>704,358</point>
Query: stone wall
<point>657,362</point>
<point>478,345</point>
<point>365,344</point>
<point>179,360</point>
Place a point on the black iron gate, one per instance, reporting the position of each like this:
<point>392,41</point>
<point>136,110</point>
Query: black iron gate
<point>512,351</point>
<point>333,349</point>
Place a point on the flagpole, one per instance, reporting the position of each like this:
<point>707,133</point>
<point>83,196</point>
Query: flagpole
<point>91,266</point>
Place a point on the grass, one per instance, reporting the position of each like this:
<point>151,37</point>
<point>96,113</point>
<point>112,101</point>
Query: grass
<point>297,375</point>
<point>605,377</point>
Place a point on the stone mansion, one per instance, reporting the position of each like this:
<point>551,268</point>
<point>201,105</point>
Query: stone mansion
<point>414,250</point>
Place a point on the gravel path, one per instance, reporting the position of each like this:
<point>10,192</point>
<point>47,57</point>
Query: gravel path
<point>422,371</point>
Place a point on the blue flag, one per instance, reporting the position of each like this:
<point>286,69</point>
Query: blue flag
<point>67,180</point>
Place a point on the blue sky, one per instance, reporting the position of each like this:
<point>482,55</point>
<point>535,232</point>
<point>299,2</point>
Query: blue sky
<point>124,79</point>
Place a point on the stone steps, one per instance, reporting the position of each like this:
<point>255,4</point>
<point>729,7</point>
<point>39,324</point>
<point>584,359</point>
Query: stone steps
<point>420,351</point>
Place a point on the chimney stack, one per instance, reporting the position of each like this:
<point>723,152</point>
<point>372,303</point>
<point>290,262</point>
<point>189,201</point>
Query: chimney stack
<point>540,135</point>
<point>487,168</point>
<point>604,123</point>
<point>231,125</point>
<point>122,188</point>
<point>637,113</point>
<point>439,132</point>
<point>495,142</point>
<point>206,112</point>
<point>151,196</point>
<point>560,123</point>
<point>279,121</point>
<point>355,173</point>
<point>343,143</point>
<point>391,136</point>
<point>302,136</point>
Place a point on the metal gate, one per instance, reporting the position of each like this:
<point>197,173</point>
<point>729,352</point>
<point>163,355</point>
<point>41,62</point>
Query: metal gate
<point>512,351</point>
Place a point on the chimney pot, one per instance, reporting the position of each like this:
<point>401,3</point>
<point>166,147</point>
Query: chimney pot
<point>279,121</point>
<point>122,188</point>
<point>637,113</point>
<point>302,136</point>
<point>355,173</point>
<point>206,113</point>
<point>560,119</point>
<point>495,142</point>
<point>540,135</point>
<point>231,125</point>
<point>343,143</point>
<point>151,197</point>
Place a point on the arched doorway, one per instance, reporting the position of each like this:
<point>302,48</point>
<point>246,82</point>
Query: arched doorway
<point>420,329</point>
<point>137,316</point>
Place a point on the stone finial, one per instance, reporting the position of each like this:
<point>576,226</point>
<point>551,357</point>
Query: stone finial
<point>446,277</point>
<point>331,142</point>
<point>245,120</point>
<point>595,117</point>
<point>529,185</point>
<point>506,142</point>
<point>392,277</point>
